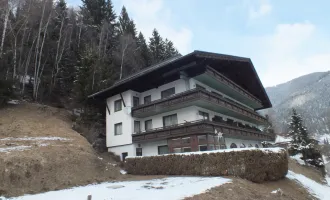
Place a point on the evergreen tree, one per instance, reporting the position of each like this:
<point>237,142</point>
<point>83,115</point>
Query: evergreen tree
<point>96,11</point>
<point>170,50</point>
<point>126,25</point>
<point>84,76</point>
<point>144,51</point>
<point>297,131</point>
<point>157,47</point>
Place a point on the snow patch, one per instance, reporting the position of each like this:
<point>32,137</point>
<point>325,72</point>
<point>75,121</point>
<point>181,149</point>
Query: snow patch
<point>160,189</point>
<point>282,139</point>
<point>297,158</point>
<point>16,148</point>
<point>318,190</point>
<point>277,191</point>
<point>34,139</point>
<point>123,171</point>
<point>13,102</point>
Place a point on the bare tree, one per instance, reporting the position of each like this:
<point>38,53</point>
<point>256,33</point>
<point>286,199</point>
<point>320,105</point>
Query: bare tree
<point>38,55</point>
<point>125,42</point>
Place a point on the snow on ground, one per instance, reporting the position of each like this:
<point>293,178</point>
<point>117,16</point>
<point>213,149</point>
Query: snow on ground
<point>282,139</point>
<point>15,148</point>
<point>266,150</point>
<point>33,139</point>
<point>160,189</point>
<point>297,158</point>
<point>316,189</point>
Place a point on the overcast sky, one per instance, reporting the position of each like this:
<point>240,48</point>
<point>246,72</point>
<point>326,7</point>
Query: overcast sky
<point>285,39</point>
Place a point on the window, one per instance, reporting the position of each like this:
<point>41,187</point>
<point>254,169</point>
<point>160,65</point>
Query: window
<point>147,99</point>
<point>250,145</point>
<point>170,120</point>
<point>118,129</point>
<point>118,105</point>
<point>200,87</point>
<point>217,119</point>
<point>211,147</point>
<point>185,140</point>
<point>230,121</point>
<point>223,146</point>
<point>186,149</point>
<point>233,145</point>
<point>162,150</point>
<point>167,93</point>
<point>217,147</point>
<point>203,115</point>
<point>176,150</point>
<point>202,147</point>
<point>148,124</point>
<point>137,128</point>
<point>257,146</point>
<point>242,146</point>
<point>138,152</point>
<point>136,101</point>
<point>201,138</point>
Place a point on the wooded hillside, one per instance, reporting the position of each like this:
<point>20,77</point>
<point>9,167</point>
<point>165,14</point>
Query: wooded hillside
<point>54,54</point>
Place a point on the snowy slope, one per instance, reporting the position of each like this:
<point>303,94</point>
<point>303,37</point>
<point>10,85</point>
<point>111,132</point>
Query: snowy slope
<point>310,95</point>
<point>161,189</point>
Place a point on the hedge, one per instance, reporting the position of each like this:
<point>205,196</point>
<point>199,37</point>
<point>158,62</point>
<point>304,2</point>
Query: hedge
<point>256,165</point>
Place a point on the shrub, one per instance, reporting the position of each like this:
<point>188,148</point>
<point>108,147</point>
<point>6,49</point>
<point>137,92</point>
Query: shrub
<point>252,164</point>
<point>6,92</point>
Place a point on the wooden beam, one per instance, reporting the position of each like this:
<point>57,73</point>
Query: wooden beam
<point>121,96</point>
<point>106,104</point>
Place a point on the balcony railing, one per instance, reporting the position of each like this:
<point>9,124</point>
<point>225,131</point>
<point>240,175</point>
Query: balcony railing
<point>189,97</point>
<point>231,84</point>
<point>201,127</point>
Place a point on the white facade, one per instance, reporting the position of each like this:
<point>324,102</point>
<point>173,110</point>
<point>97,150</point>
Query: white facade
<point>123,143</point>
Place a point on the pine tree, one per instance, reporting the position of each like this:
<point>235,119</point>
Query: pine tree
<point>84,75</point>
<point>157,47</point>
<point>96,11</point>
<point>144,51</point>
<point>126,25</point>
<point>295,127</point>
<point>170,50</point>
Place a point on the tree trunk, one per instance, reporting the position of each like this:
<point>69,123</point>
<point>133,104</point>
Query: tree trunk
<point>4,31</point>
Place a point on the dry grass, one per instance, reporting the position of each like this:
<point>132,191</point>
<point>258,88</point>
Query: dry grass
<point>46,164</point>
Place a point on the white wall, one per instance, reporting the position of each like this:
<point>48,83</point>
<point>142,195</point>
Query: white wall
<point>238,142</point>
<point>193,83</point>
<point>123,116</point>
<point>151,148</point>
<point>180,86</point>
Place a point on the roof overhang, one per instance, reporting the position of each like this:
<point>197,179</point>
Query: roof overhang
<point>238,69</point>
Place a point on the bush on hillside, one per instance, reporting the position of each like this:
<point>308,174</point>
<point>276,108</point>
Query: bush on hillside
<point>6,92</point>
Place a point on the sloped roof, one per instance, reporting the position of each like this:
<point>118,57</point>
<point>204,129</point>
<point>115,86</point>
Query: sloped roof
<point>238,69</point>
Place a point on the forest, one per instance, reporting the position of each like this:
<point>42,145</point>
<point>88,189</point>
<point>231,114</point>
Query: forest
<point>56,55</point>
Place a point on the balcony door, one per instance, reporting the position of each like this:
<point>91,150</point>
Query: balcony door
<point>170,120</point>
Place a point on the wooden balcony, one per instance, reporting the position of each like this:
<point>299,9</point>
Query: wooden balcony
<point>198,97</point>
<point>222,83</point>
<point>201,127</point>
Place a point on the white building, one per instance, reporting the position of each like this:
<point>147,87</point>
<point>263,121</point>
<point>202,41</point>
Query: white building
<point>201,101</point>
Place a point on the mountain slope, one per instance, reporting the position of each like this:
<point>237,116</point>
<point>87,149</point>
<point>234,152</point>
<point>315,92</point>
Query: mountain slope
<point>309,95</point>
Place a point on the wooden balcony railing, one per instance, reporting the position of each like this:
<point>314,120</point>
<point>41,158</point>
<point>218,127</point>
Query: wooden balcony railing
<point>195,95</point>
<point>223,79</point>
<point>201,127</point>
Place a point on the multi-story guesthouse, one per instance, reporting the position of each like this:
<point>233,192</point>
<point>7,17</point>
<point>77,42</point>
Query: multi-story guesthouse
<point>197,102</point>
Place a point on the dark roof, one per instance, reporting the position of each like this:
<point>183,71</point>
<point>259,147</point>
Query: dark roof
<point>238,69</point>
